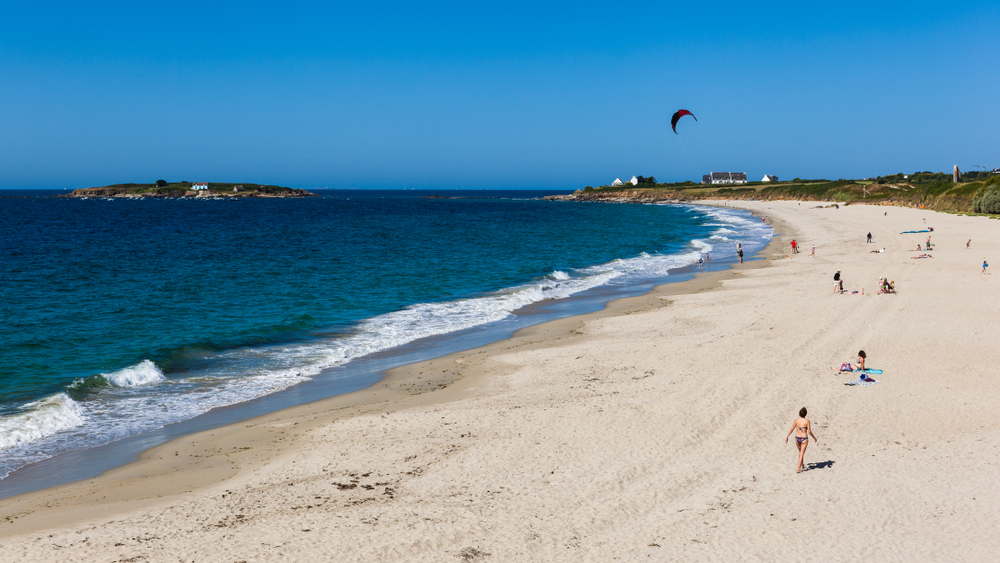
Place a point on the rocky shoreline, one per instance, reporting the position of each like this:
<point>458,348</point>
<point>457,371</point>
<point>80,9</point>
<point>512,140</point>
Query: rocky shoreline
<point>142,192</point>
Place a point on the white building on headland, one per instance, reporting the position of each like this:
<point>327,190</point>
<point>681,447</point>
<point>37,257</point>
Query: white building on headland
<point>725,178</point>
<point>199,186</point>
<point>769,178</point>
<point>618,182</point>
<point>634,181</point>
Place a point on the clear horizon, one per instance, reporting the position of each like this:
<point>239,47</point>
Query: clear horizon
<point>518,96</point>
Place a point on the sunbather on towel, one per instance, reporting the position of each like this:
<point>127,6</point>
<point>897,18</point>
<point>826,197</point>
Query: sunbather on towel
<point>848,366</point>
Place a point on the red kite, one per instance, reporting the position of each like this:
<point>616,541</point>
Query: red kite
<point>677,116</point>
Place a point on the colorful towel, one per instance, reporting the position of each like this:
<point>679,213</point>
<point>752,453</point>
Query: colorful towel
<point>871,371</point>
<point>861,382</point>
<point>910,232</point>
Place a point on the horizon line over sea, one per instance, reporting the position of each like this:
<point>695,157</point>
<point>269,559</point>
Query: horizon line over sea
<point>283,302</point>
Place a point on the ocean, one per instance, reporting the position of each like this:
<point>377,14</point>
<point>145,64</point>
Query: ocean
<point>120,317</point>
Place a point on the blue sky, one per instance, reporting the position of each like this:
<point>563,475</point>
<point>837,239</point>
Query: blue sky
<point>506,95</point>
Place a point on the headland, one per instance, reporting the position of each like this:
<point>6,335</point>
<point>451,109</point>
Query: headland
<point>164,189</point>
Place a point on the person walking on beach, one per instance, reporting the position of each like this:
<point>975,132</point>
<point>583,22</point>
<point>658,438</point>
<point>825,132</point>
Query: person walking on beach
<point>803,429</point>
<point>967,243</point>
<point>701,263</point>
<point>794,244</point>
<point>739,251</point>
<point>869,237</point>
<point>984,266</point>
<point>813,252</point>
<point>707,260</point>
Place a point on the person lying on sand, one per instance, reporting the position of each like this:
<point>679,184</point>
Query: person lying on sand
<point>803,429</point>
<point>877,251</point>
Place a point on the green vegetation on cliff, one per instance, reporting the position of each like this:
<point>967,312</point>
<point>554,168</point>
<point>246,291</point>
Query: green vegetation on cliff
<point>979,192</point>
<point>162,188</point>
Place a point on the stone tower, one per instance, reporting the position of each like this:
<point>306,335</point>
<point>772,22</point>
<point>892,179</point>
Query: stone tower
<point>957,175</point>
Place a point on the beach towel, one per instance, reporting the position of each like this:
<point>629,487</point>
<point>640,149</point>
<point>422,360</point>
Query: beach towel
<point>861,382</point>
<point>910,232</point>
<point>871,371</point>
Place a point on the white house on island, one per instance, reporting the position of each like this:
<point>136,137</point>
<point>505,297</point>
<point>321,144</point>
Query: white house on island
<point>634,181</point>
<point>618,182</point>
<point>769,178</point>
<point>199,186</point>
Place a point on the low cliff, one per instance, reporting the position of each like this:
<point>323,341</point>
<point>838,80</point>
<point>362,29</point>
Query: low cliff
<point>184,189</point>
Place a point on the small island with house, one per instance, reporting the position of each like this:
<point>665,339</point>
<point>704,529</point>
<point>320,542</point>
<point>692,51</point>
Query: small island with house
<point>182,189</point>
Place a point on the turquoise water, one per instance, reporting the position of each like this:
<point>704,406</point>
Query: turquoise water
<point>121,316</point>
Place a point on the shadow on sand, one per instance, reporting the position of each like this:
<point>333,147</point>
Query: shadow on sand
<point>819,465</point>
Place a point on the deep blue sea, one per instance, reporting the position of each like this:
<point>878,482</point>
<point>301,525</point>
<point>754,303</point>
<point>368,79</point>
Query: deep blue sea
<point>122,316</point>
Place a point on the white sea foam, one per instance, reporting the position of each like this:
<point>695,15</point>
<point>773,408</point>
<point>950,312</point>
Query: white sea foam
<point>39,419</point>
<point>142,373</point>
<point>132,405</point>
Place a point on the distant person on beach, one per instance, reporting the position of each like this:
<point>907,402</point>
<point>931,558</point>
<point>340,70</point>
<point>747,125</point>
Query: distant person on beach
<point>967,243</point>
<point>838,284</point>
<point>928,245</point>
<point>861,360</point>
<point>803,429</point>
<point>813,252</point>
<point>984,266</point>
<point>739,251</point>
<point>707,259</point>
<point>869,237</point>
<point>795,247</point>
<point>701,263</point>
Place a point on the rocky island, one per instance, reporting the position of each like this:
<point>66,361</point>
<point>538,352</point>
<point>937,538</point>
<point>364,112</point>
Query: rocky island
<point>162,188</point>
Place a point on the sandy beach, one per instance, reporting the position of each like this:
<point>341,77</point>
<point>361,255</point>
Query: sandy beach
<point>653,430</point>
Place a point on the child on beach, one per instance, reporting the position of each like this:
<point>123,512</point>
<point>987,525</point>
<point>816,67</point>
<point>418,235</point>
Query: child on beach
<point>967,243</point>
<point>803,429</point>
<point>813,253</point>
<point>984,266</point>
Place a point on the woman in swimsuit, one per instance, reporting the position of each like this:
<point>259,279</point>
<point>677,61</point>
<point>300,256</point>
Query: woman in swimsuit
<point>861,360</point>
<point>802,429</point>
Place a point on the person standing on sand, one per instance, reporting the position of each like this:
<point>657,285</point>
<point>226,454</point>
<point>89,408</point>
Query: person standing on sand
<point>813,252</point>
<point>803,429</point>
<point>838,284</point>
<point>739,251</point>
<point>707,260</point>
<point>869,237</point>
<point>967,243</point>
<point>984,266</point>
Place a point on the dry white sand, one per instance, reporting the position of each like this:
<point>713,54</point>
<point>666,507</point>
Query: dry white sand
<point>652,431</point>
